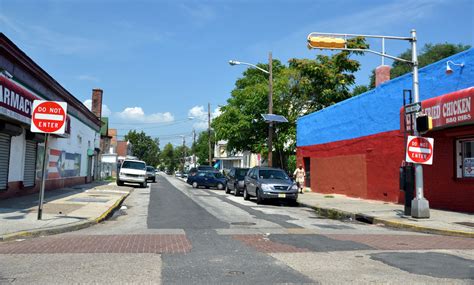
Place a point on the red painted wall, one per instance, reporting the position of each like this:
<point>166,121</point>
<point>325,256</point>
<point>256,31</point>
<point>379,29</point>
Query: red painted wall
<point>442,189</point>
<point>368,168</point>
<point>365,167</point>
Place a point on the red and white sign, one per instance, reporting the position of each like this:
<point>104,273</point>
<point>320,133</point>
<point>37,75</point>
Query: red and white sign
<point>451,109</point>
<point>48,117</point>
<point>420,150</point>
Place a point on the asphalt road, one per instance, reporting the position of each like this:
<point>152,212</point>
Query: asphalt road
<point>171,233</point>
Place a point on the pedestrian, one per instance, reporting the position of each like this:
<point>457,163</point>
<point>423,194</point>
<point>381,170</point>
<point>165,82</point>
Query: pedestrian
<point>299,176</point>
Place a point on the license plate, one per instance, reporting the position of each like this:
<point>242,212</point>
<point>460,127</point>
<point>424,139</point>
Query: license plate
<point>281,195</point>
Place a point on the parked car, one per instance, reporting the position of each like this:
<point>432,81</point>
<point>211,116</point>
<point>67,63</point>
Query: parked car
<point>207,179</point>
<point>150,173</point>
<point>236,180</point>
<point>132,171</point>
<point>269,183</point>
<point>178,174</point>
<point>193,171</point>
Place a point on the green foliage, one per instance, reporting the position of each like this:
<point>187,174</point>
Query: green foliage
<point>298,89</point>
<point>429,54</point>
<point>201,147</point>
<point>359,89</point>
<point>144,147</point>
<point>168,157</point>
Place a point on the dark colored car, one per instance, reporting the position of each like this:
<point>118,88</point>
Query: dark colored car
<point>236,180</point>
<point>193,171</point>
<point>269,183</point>
<point>150,173</point>
<point>207,179</point>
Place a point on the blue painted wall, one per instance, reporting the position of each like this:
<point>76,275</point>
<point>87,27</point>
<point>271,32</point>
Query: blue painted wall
<point>378,110</point>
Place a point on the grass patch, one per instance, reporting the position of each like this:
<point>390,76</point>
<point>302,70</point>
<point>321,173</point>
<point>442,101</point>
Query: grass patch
<point>328,196</point>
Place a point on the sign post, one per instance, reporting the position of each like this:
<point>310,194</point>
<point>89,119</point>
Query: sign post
<point>48,117</point>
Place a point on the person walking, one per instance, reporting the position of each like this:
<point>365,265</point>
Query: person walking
<point>299,176</point>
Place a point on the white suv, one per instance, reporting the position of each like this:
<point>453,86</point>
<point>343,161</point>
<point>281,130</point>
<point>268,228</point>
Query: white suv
<point>132,171</point>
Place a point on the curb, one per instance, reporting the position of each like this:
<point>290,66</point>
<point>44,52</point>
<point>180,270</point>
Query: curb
<point>343,215</point>
<point>66,228</point>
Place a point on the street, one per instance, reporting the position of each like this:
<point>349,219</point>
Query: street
<point>170,233</point>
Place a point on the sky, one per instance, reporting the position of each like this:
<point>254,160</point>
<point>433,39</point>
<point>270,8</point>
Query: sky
<point>160,63</point>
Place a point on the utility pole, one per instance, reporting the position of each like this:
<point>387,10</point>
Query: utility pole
<point>420,207</point>
<point>194,148</point>
<point>184,151</point>
<point>270,109</point>
<point>209,132</point>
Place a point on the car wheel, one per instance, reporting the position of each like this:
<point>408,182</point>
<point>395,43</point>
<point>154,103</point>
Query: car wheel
<point>195,184</point>
<point>220,186</point>
<point>119,183</point>
<point>227,190</point>
<point>236,191</point>
<point>246,195</point>
<point>144,184</point>
<point>259,197</point>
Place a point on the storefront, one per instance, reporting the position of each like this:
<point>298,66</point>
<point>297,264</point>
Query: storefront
<point>449,182</point>
<point>21,152</point>
<point>356,147</point>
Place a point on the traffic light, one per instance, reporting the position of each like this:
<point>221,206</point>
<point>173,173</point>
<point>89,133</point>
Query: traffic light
<point>424,123</point>
<point>326,42</point>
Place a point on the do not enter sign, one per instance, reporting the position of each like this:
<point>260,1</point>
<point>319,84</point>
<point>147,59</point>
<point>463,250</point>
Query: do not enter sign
<point>420,150</point>
<point>48,117</point>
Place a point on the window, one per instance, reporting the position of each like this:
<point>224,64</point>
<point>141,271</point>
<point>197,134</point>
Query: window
<point>465,159</point>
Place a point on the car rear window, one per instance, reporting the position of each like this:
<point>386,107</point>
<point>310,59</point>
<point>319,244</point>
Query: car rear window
<point>205,167</point>
<point>240,173</point>
<point>134,165</point>
<point>150,168</point>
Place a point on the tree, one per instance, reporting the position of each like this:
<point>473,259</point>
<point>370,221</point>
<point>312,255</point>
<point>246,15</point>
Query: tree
<point>144,147</point>
<point>168,157</point>
<point>298,89</point>
<point>429,54</point>
<point>179,153</point>
<point>201,147</point>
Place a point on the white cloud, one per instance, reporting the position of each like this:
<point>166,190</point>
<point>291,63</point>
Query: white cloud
<point>105,109</point>
<point>136,114</point>
<point>200,116</point>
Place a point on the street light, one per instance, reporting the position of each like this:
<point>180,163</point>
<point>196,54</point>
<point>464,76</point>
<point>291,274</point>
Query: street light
<point>333,41</point>
<point>270,99</point>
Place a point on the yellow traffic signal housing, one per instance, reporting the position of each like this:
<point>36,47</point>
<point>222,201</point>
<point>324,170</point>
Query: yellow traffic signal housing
<point>326,42</point>
<point>424,123</point>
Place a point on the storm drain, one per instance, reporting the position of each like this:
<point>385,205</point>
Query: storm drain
<point>243,224</point>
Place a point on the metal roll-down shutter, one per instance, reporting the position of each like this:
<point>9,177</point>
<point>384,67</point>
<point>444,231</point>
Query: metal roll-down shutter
<point>30,164</point>
<point>4,160</point>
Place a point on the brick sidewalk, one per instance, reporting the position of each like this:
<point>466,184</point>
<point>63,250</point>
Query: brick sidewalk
<point>146,243</point>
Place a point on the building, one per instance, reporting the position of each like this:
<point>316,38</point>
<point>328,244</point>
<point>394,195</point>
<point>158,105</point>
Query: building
<point>356,147</point>
<point>225,160</point>
<point>72,156</point>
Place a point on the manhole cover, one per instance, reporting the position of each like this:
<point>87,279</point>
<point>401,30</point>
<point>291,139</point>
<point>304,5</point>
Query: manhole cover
<point>243,224</point>
<point>234,273</point>
<point>468,224</point>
